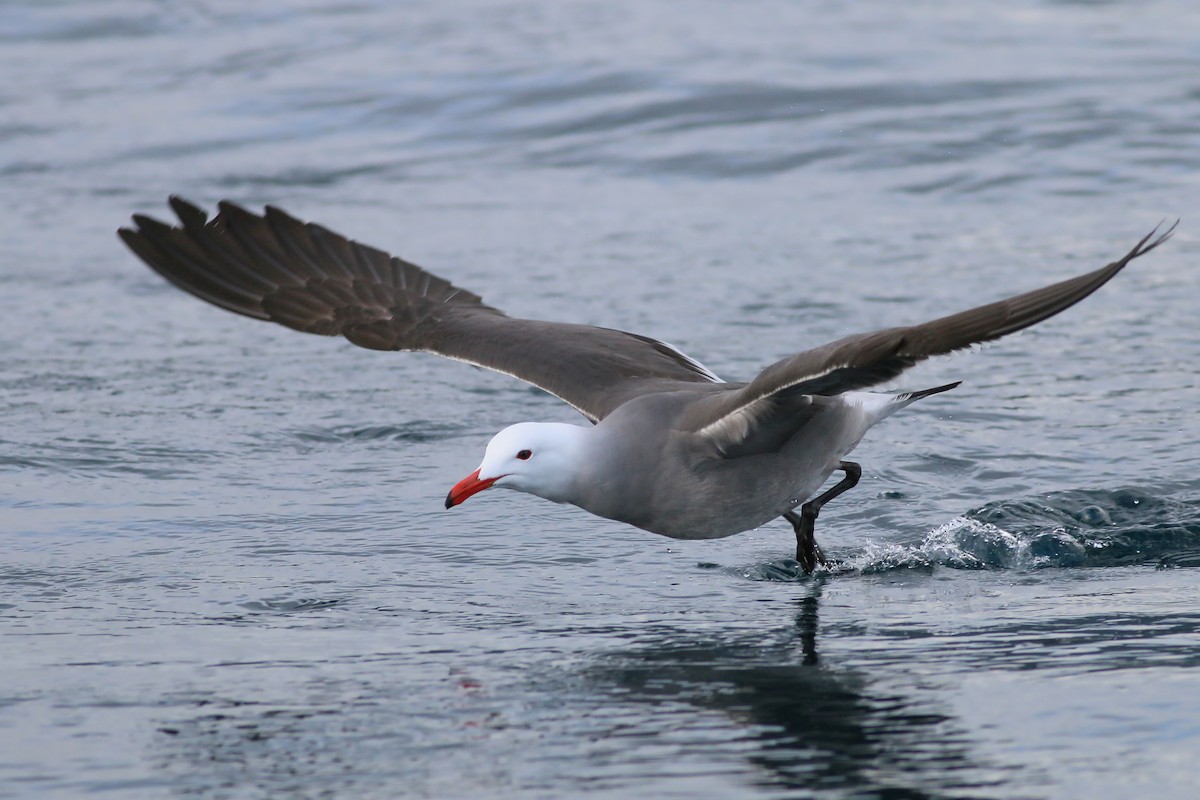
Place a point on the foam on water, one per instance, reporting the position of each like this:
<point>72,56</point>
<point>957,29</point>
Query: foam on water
<point>1063,530</point>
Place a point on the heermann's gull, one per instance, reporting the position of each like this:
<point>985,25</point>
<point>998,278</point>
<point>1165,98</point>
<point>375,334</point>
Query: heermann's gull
<point>672,449</point>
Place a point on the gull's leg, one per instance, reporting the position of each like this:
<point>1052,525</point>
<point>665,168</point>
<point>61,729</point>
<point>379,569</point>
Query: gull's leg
<point>807,551</point>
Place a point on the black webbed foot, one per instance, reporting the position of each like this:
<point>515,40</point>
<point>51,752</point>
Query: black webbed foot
<point>808,553</point>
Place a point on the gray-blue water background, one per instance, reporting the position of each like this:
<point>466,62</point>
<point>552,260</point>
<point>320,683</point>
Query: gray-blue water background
<point>226,570</point>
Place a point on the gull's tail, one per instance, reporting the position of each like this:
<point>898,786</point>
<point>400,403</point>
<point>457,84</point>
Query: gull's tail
<point>903,399</point>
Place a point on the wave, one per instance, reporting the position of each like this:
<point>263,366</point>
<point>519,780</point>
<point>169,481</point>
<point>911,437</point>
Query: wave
<point>1078,528</point>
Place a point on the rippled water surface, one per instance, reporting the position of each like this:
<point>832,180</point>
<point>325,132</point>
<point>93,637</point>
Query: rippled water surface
<point>226,570</point>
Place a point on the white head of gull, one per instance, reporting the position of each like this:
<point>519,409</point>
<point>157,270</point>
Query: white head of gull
<point>539,458</point>
<point>672,448</point>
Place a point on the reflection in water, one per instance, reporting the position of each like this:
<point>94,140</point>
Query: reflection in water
<point>806,622</point>
<point>816,727</point>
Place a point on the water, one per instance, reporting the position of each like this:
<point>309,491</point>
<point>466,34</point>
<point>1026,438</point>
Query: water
<point>226,569</point>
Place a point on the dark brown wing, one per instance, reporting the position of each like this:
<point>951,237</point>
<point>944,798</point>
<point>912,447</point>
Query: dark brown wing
<point>868,359</point>
<point>274,267</point>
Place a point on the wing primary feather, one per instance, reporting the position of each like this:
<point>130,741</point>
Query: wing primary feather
<point>309,278</point>
<point>865,360</point>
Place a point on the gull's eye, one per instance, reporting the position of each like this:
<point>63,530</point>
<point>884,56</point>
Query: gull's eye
<point>524,455</point>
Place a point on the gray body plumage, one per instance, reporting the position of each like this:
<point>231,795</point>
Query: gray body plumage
<point>673,450</point>
<point>691,490</point>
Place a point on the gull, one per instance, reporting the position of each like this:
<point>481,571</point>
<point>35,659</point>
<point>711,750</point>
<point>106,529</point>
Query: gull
<point>670,448</point>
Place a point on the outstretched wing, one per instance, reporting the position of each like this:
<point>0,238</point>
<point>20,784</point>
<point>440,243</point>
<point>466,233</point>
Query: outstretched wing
<point>274,267</point>
<point>868,359</point>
